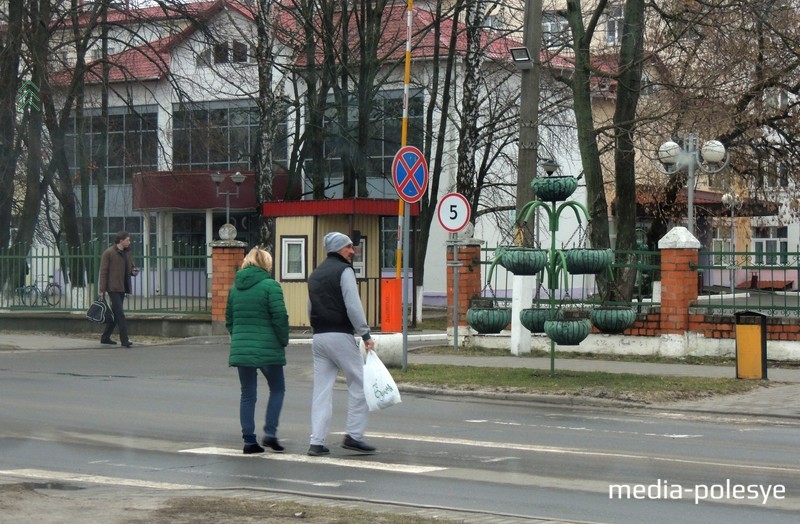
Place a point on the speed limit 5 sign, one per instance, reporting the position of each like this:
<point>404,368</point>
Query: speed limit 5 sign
<point>453,212</point>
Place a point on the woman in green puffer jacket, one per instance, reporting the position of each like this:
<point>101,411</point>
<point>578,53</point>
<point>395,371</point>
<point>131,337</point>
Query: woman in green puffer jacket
<point>257,320</point>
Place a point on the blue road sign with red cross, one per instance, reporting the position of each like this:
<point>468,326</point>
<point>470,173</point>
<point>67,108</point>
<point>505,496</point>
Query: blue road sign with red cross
<point>410,174</point>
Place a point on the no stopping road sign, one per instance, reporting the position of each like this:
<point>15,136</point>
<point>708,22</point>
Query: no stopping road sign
<point>410,174</point>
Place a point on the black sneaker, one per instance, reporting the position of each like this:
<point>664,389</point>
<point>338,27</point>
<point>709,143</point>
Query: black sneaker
<point>357,445</point>
<point>249,449</point>
<point>316,450</point>
<point>273,444</point>
<point>127,344</point>
<point>108,341</point>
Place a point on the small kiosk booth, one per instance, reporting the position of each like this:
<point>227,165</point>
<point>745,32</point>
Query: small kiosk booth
<point>299,229</point>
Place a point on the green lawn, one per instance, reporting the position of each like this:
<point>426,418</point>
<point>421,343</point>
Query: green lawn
<point>620,386</point>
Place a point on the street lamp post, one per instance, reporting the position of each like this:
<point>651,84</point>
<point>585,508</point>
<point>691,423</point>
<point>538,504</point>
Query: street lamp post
<point>711,158</point>
<point>733,202</point>
<point>228,230</point>
<point>528,59</point>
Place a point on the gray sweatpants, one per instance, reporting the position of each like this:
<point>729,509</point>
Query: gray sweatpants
<point>333,352</point>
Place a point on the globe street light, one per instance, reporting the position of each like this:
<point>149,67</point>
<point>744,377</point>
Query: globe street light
<point>549,165</point>
<point>711,158</point>
<point>228,230</point>
<point>733,202</point>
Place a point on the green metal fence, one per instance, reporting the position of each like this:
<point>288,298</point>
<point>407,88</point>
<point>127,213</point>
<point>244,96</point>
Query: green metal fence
<point>767,282</point>
<point>584,289</point>
<point>45,279</point>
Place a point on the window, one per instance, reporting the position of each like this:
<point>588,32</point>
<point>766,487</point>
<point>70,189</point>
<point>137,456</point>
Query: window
<point>204,58</point>
<point>385,137</point>
<point>189,241</point>
<point>234,52</point>
<point>239,52</point>
<point>614,21</point>
<point>293,258</point>
<point>721,247</point>
<point>221,53</point>
<point>555,31</point>
<point>650,85</point>
<point>718,181</point>
<point>771,245</point>
<point>129,138</point>
<point>359,258</point>
<point>133,225</point>
<point>117,147</point>
<point>221,135</point>
<point>388,242</point>
<point>776,176</point>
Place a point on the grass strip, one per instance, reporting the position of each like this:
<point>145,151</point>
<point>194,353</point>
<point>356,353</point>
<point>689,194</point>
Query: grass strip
<point>620,386</point>
<point>478,351</point>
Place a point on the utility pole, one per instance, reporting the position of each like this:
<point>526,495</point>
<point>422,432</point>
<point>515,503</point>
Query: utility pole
<point>525,234</point>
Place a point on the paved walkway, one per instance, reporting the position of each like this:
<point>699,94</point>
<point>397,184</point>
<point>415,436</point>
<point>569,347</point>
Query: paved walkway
<point>781,399</point>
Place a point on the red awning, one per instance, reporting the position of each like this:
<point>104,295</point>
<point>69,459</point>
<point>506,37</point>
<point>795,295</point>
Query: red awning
<point>195,190</point>
<point>338,206</point>
<point>190,190</point>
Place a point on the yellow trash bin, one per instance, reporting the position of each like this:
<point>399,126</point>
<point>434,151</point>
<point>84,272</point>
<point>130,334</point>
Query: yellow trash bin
<point>751,345</point>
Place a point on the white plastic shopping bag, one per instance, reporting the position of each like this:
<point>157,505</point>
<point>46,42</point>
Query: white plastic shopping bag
<point>379,386</point>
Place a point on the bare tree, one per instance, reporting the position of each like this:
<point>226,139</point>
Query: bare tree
<point>10,129</point>
<point>745,96</point>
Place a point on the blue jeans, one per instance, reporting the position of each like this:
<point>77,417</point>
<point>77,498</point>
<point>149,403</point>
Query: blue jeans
<point>248,378</point>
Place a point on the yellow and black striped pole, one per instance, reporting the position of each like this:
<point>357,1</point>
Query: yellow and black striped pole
<point>401,205</point>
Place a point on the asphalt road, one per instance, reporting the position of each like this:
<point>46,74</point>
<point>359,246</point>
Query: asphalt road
<point>165,420</point>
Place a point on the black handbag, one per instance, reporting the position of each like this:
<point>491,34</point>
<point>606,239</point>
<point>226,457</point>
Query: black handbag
<point>100,312</point>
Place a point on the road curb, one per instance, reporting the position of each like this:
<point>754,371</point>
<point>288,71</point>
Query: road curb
<point>578,401</point>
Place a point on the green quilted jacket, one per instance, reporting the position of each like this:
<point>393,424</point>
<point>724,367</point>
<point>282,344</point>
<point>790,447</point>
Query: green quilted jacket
<point>257,320</point>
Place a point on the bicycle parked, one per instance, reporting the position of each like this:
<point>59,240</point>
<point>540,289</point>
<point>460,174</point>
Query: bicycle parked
<point>29,295</point>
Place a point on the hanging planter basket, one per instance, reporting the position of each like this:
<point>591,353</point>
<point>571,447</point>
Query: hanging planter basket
<point>523,260</point>
<point>588,261</point>
<point>534,318</point>
<point>554,188</point>
<point>612,319</point>
<point>567,332</point>
<point>488,320</point>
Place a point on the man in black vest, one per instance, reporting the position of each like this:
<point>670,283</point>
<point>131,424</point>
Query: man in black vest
<point>335,312</point>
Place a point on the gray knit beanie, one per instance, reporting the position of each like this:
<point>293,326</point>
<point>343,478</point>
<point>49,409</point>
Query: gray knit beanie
<point>335,241</point>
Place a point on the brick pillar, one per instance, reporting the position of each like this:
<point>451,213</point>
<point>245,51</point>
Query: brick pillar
<point>679,257</point>
<point>469,279</point>
<point>226,258</point>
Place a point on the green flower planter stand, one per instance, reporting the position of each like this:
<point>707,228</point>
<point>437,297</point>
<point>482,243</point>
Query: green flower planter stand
<point>534,318</point>
<point>554,188</point>
<point>523,260</point>
<point>488,320</point>
<point>587,261</point>
<point>567,332</point>
<point>612,319</point>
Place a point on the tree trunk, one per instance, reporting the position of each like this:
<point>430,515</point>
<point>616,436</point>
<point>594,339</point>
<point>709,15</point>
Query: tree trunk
<point>628,90</point>
<point>430,200</point>
<point>266,110</point>
<point>10,83</point>
<point>468,132</point>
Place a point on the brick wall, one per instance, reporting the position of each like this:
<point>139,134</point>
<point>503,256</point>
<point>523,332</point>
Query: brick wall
<point>226,257</point>
<point>714,326</point>
<point>678,288</point>
<point>469,280</point>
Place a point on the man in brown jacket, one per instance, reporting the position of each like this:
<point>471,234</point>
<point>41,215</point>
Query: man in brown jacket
<point>116,269</point>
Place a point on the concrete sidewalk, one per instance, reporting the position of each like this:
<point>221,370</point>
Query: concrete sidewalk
<point>780,399</point>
